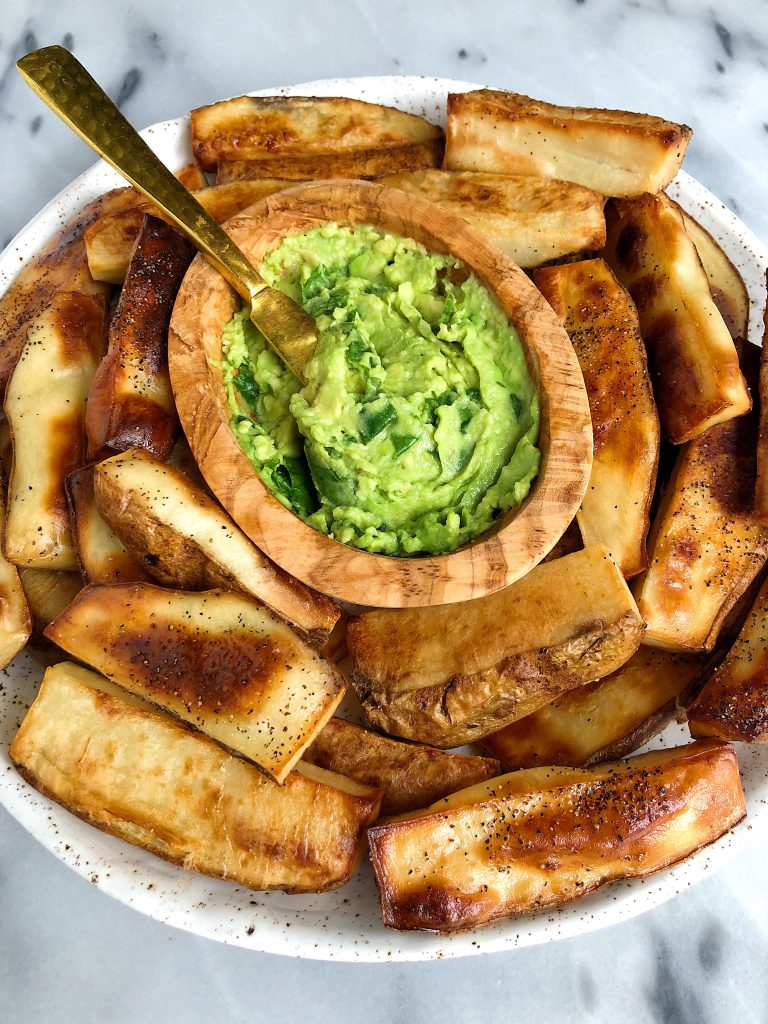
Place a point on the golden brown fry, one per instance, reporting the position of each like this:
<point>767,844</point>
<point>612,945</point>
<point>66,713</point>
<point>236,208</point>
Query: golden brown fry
<point>693,360</point>
<point>602,324</point>
<point>534,220</point>
<point>614,152</point>
<point>362,163</point>
<point>541,837</point>
<point>15,618</point>
<point>147,779</point>
<point>191,177</point>
<point>761,483</point>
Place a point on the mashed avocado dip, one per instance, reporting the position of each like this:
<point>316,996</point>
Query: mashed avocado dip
<point>418,424</point>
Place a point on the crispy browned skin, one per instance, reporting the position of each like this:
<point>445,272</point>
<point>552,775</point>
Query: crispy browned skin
<point>412,775</point>
<point>191,177</point>
<point>706,546</point>
<point>614,152</point>
<point>761,483</point>
<point>362,163</point>
<point>450,674</point>
<point>733,704</point>
<point>259,127</point>
<point>215,660</point>
<point>145,778</point>
<point>602,720</point>
<point>601,321</point>
<point>45,403</point>
<point>541,837</point>
<point>102,556</point>
<point>693,360</point>
<point>130,401</point>
<point>187,541</point>
<point>60,266</point>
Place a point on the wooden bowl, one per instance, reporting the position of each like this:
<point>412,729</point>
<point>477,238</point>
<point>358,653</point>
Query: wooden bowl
<point>517,542</point>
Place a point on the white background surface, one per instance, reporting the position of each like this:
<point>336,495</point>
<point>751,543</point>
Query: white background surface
<point>67,953</point>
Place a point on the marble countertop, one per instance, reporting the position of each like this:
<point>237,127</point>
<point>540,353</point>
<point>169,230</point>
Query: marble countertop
<point>68,952</point>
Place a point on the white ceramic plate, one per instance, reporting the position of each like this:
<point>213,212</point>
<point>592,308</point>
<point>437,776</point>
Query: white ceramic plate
<point>344,925</point>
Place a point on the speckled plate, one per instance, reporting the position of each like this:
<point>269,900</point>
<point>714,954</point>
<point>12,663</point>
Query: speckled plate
<point>344,925</point>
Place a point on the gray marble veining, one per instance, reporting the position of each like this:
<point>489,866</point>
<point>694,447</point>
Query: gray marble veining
<point>67,952</point>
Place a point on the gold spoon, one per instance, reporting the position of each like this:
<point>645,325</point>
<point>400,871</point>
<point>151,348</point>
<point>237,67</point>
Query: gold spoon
<point>61,81</point>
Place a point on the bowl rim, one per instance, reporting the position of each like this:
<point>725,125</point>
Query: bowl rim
<point>485,565</point>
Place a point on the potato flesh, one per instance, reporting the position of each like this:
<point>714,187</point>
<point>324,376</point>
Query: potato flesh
<point>602,720</point>
<point>601,321</point>
<point>613,152</point>
<point>534,220</point>
<point>46,407</point>
<point>542,837</point>
<point>447,675</point>
<point>145,778</point>
<point>693,360</point>
<point>186,541</point>
<point>15,618</point>
<point>215,660</point>
<point>411,775</point>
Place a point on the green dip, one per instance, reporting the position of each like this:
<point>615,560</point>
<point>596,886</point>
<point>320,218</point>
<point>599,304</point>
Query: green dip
<point>418,424</point>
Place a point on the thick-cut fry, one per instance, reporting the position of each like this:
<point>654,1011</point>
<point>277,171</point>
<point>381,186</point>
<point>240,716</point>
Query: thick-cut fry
<point>147,779</point>
<point>191,177</point>
<point>48,593</point>
<point>46,406</point>
<point>693,360</point>
<point>186,541</point>
<point>451,674</point>
<point>130,401</point>
<point>412,775</point>
<point>614,152</point>
<point>102,556</point>
<point>356,163</point>
<point>534,220</point>
<point>706,546</point>
<point>602,324</point>
<point>733,704</point>
<point>541,837</point>
<point>259,127</point>
<point>761,483</point>
<point>15,618</point>
<point>602,720</point>
<point>215,660</point>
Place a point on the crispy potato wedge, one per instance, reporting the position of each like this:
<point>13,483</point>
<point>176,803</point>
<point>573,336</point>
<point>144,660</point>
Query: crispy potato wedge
<point>411,775</point>
<point>46,407</point>
<point>102,556</point>
<point>542,837</point>
<point>693,360</point>
<point>60,266</point>
<point>356,163</point>
<point>187,541</point>
<point>215,660</point>
<point>451,674</point>
<point>263,127</point>
<point>761,482</point>
<point>130,401</point>
<point>191,177</point>
<point>534,220</point>
<point>601,321</point>
<point>733,703</point>
<point>48,593</point>
<point>15,618</point>
<point>613,152</point>
<point>706,546</point>
<point>602,720</point>
<point>141,776</point>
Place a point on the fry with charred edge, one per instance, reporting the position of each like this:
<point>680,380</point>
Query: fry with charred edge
<point>263,127</point>
<point>534,220</point>
<point>130,401</point>
<point>601,321</point>
<point>733,704</point>
<point>451,674</point>
<point>602,720</point>
<point>46,407</point>
<point>541,837</point>
<point>761,483</point>
<point>139,775</point>
<point>614,152</point>
<point>187,541</point>
<point>215,660</point>
<point>357,163</point>
<point>102,556</point>
<point>706,546</point>
<point>15,618</point>
<point>411,775</point>
<point>693,360</point>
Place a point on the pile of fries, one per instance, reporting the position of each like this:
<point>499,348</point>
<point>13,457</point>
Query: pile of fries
<point>203,728</point>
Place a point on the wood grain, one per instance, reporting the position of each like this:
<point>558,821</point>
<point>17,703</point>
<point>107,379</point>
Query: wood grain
<point>517,542</point>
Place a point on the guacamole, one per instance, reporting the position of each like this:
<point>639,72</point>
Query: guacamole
<point>418,424</point>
